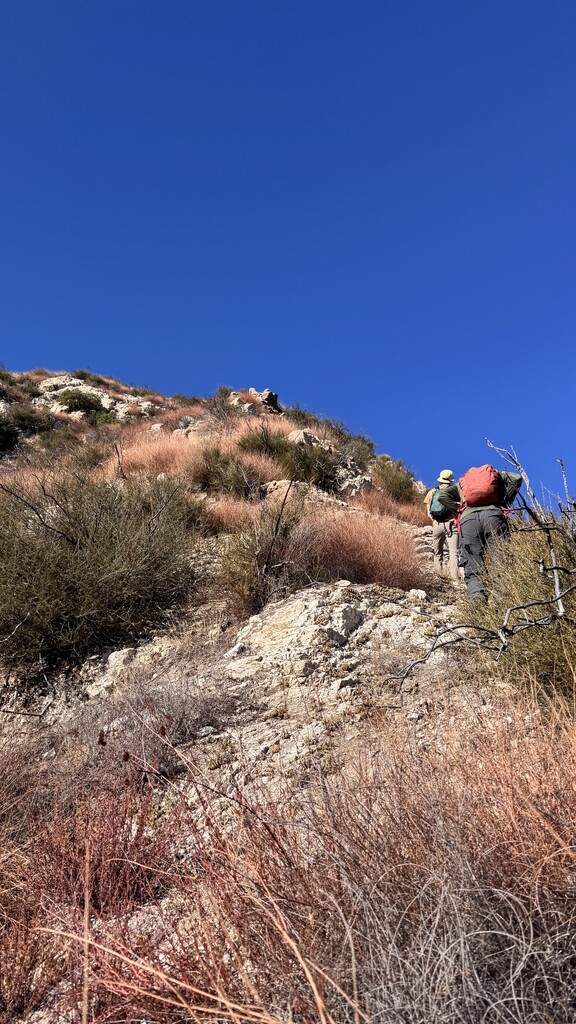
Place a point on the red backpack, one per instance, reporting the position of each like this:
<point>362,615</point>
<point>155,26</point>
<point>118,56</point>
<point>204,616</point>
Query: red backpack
<point>480,486</point>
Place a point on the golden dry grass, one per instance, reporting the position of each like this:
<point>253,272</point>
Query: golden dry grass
<point>358,547</point>
<point>157,452</point>
<point>414,883</point>
<point>380,503</point>
<point>226,514</point>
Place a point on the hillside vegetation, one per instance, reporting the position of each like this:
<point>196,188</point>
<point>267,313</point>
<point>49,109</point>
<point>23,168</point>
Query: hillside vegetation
<point>222,796</point>
<point>110,498</point>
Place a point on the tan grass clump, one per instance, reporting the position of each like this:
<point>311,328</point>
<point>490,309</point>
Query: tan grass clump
<point>359,548</point>
<point>150,453</point>
<point>380,503</point>
<point>262,466</point>
<point>227,514</point>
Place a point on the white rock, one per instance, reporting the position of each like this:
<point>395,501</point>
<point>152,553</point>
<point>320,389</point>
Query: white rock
<point>235,651</point>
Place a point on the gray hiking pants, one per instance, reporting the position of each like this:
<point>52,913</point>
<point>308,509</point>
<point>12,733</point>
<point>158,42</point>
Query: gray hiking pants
<point>479,533</point>
<point>445,547</point>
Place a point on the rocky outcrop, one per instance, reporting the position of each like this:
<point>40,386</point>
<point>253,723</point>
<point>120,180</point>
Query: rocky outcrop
<point>123,407</point>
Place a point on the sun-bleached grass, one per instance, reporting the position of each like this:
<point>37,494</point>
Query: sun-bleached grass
<point>288,547</point>
<point>264,467</point>
<point>145,452</point>
<point>380,503</point>
<point>232,432</point>
<point>227,514</point>
<point>416,883</point>
<point>358,547</point>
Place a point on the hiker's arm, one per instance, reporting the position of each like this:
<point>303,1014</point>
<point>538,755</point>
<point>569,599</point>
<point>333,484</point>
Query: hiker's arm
<point>512,484</point>
<point>450,498</point>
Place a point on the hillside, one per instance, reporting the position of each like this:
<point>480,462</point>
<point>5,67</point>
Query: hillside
<point>224,795</point>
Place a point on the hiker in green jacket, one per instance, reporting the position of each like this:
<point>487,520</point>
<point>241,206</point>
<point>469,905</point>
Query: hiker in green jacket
<point>480,499</point>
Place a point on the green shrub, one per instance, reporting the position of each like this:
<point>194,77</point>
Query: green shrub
<point>181,399</point>
<point>395,478</point>
<point>265,441</point>
<point>218,406</point>
<point>28,387</point>
<point>88,565</point>
<point>221,471</point>
<point>30,420</point>
<point>90,378</point>
<point>63,438</point>
<point>9,435</point>
<point>76,400</point>
<point>313,465</point>
<point>98,419</point>
<point>309,463</point>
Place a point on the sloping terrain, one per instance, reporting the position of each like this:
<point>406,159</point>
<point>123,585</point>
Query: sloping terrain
<point>222,794</point>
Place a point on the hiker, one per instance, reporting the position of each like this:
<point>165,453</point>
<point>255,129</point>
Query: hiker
<point>481,500</point>
<point>444,532</point>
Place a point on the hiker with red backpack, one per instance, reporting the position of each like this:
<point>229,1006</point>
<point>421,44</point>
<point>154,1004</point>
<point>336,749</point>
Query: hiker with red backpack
<point>481,501</point>
<point>444,532</point>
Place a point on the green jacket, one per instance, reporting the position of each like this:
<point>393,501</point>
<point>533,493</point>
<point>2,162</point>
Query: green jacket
<point>510,484</point>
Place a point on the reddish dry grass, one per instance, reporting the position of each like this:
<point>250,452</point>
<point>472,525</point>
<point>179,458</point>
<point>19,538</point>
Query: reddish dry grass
<point>370,895</point>
<point>380,503</point>
<point>231,432</point>
<point>262,466</point>
<point>358,547</point>
<point>158,452</point>
<point>227,514</point>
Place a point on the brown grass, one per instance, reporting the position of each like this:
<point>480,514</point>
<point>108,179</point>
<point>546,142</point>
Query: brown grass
<point>158,452</point>
<point>380,503</point>
<point>262,466</point>
<point>414,884</point>
<point>227,514</point>
<point>358,547</point>
<point>233,431</point>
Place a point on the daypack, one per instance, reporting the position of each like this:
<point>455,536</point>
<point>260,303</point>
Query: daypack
<point>480,486</point>
<point>438,511</point>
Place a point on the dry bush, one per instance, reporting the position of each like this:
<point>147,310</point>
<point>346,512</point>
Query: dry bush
<point>417,885</point>
<point>512,578</point>
<point>357,547</point>
<point>287,548</point>
<point>380,503</point>
<point>232,436</point>
<point>257,562</point>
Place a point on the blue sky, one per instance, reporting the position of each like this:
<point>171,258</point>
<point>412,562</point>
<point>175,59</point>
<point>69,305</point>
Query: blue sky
<point>367,206</point>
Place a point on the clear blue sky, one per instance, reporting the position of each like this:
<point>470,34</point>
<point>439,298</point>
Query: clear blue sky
<point>365,205</point>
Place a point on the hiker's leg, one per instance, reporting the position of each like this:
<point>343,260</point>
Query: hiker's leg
<point>471,553</point>
<point>452,542</point>
<point>494,527</point>
<point>438,541</point>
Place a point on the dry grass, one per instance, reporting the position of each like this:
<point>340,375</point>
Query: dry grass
<point>143,452</point>
<point>380,503</point>
<point>415,885</point>
<point>227,514</point>
<point>232,432</point>
<point>262,466</point>
<point>358,547</point>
